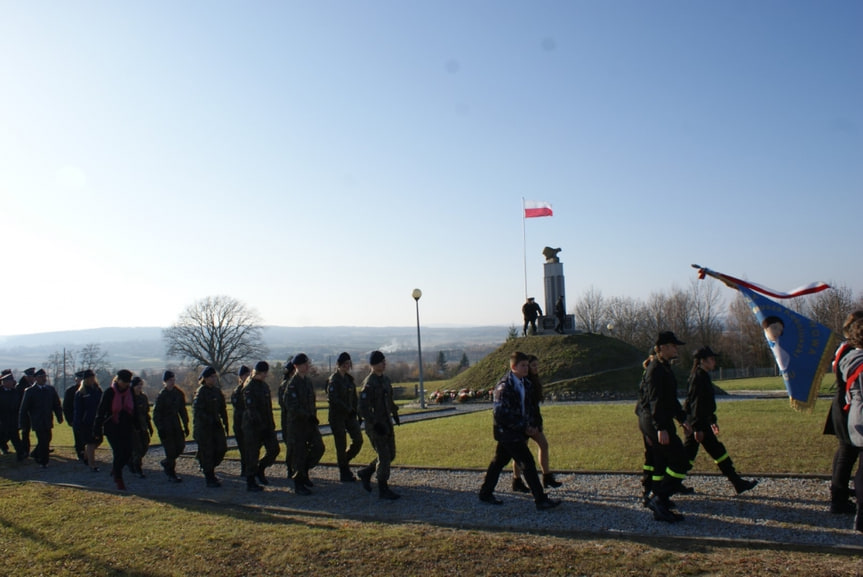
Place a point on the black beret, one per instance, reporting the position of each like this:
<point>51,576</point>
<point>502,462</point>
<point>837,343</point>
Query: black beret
<point>124,375</point>
<point>262,367</point>
<point>209,371</point>
<point>376,357</point>
<point>300,359</point>
<point>168,375</point>
<point>343,358</point>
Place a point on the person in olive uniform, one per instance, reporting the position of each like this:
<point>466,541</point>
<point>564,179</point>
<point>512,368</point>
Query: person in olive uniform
<point>26,380</point>
<point>308,446</point>
<point>210,425</point>
<point>237,403</point>
<point>658,408</point>
<point>700,407</point>
<point>379,411</point>
<point>39,406</point>
<point>289,371</point>
<point>259,428</point>
<point>87,400</point>
<point>69,414</point>
<point>10,401</point>
<point>344,416</point>
<point>115,419</point>
<point>143,428</point>
<point>172,422</point>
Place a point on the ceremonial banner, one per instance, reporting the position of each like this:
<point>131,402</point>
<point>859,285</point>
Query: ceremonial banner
<point>803,348</point>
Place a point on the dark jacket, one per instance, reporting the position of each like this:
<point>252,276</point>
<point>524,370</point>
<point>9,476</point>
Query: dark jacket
<point>105,424</point>
<point>299,402</point>
<point>376,404</point>
<point>86,406</point>
<point>209,411</point>
<point>169,411</point>
<point>700,404</point>
<point>258,407</point>
<point>10,400</point>
<point>510,421</point>
<point>69,405</point>
<point>658,400</point>
<point>342,395</point>
<point>38,407</point>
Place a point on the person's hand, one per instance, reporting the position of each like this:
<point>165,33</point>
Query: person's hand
<point>699,436</point>
<point>715,428</point>
<point>663,437</point>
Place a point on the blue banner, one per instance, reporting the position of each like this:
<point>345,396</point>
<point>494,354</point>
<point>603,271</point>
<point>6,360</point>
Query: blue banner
<point>803,348</point>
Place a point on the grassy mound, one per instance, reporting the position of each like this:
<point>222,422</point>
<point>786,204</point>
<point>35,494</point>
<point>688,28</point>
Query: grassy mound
<point>580,365</point>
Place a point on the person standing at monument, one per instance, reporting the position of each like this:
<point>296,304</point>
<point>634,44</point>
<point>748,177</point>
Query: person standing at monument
<point>344,416</point>
<point>531,311</point>
<point>559,315</point>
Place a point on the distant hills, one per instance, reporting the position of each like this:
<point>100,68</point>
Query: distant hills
<point>138,348</point>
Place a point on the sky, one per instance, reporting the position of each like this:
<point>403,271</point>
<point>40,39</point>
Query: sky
<point>320,160</point>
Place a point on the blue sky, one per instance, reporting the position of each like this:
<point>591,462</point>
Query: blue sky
<point>320,160</point>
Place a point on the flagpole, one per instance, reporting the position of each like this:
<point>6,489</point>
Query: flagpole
<point>524,246</point>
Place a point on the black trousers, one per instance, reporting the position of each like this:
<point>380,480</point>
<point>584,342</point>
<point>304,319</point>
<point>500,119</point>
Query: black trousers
<point>120,440</point>
<point>520,453</point>
<point>711,444</point>
<point>43,446</point>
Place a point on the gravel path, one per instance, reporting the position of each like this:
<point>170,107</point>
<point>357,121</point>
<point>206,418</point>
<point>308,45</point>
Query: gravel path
<point>778,512</point>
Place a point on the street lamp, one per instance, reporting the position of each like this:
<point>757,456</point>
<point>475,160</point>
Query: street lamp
<point>417,293</point>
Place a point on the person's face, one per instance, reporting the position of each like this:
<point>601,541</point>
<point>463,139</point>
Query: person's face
<point>41,379</point>
<point>8,383</point>
<point>520,369</point>
<point>211,380</point>
<point>668,351</point>
<point>534,367</point>
<point>169,384</point>
<point>122,385</point>
<point>379,368</point>
<point>346,367</point>
<point>774,331</point>
<point>709,363</point>
<point>88,381</point>
<point>303,369</point>
<point>260,375</point>
<point>138,389</point>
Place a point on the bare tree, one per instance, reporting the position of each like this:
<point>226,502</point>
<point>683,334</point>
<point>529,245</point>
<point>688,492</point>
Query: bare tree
<point>705,305</point>
<point>831,307</point>
<point>590,310</point>
<point>60,367</point>
<point>217,331</point>
<point>626,320</point>
<point>94,358</point>
<point>744,343</point>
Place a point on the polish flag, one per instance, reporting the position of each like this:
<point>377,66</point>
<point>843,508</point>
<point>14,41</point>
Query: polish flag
<point>535,209</point>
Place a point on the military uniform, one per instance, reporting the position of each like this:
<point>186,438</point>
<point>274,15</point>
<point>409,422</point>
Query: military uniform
<point>379,411</point>
<point>143,428</point>
<point>302,424</point>
<point>172,422</point>
<point>259,429</point>
<point>39,406</point>
<point>69,415</point>
<point>210,426</point>
<point>344,419</point>
<point>10,401</point>
<point>239,407</point>
<point>86,405</point>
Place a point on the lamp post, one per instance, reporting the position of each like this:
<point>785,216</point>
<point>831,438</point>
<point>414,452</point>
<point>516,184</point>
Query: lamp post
<point>417,293</point>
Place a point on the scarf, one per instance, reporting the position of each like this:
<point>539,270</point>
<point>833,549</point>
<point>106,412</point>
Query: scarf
<point>122,401</point>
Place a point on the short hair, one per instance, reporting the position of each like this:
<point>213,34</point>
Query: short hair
<point>517,357</point>
<point>850,321</point>
<point>772,320</point>
<point>854,333</point>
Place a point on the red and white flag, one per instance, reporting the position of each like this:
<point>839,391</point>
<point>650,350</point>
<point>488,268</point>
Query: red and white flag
<point>536,208</point>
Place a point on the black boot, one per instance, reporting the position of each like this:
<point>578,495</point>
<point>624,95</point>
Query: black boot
<point>211,479</point>
<point>384,492</point>
<point>858,521</point>
<point>345,475</point>
<point>741,485</point>
<point>252,485</point>
<point>365,476</point>
<point>548,480</point>
<point>840,503</point>
<point>518,485</point>
<point>661,510</point>
<point>172,476</point>
<point>299,488</point>
<point>261,477</point>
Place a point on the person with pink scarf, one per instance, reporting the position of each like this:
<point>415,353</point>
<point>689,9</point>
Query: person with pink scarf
<point>115,419</point>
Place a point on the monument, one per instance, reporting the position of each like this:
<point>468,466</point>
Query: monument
<point>555,287</point>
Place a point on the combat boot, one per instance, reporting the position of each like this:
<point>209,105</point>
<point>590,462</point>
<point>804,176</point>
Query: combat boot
<point>840,503</point>
<point>252,485</point>
<point>262,478</point>
<point>740,484</point>
<point>384,492</point>
<point>365,476</point>
<point>212,481</point>
<point>346,476</point>
<point>548,480</point>
<point>518,485</point>
<point>299,488</point>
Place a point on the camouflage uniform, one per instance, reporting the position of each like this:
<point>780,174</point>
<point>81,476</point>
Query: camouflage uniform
<point>379,411</point>
<point>302,421</point>
<point>343,418</point>
<point>209,429</point>
<point>172,421</point>
<point>239,407</point>
<point>141,436</point>
<point>259,428</point>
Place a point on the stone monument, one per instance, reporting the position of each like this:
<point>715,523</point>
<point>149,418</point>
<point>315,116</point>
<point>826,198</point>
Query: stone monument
<point>554,287</point>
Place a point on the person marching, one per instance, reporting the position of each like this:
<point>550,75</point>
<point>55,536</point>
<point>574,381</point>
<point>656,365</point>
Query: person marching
<point>658,408</point>
<point>237,402</point>
<point>9,403</point>
<point>69,414</point>
<point>143,428</point>
<point>289,371</point>
<point>210,425</point>
<point>700,407</point>
<point>27,379</point>
<point>307,444</point>
<point>39,406</point>
<point>379,411</point>
<point>259,428</point>
<point>837,424</point>
<point>115,419</point>
<point>512,427</point>
<point>86,407</point>
<point>343,416</point>
<point>172,422</point>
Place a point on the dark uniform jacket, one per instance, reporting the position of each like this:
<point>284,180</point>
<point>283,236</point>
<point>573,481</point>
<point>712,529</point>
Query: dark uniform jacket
<point>258,407</point>
<point>142,413</point>
<point>300,402</point>
<point>10,399</point>
<point>700,404</point>
<point>342,395</point>
<point>376,404</point>
<point>169,411</point>
<point>531,311</point>
<point>38,407</point>
<point>69,405</point>
<point>209,412</point>
<point>658,402</point>
<point>86,405</point>
<point>510,420</point>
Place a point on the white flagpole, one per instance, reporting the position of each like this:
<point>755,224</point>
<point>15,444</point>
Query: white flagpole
<point>524,246</point>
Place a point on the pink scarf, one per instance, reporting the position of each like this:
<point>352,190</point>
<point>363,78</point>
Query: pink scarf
<point>122,402</point>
